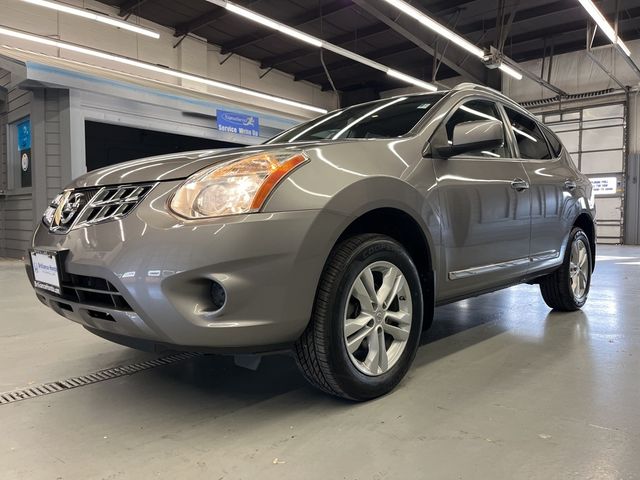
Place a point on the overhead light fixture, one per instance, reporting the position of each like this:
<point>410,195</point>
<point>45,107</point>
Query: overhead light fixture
<point>153,68</point>
<point>444,32</point>
<point>604,25</point>
<point>267,22</point>
<point>440,29</point>
<point>510,71</point>
<point>317,42</point>
<point>79,12</point>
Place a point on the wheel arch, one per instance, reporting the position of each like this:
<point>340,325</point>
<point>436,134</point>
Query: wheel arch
<point>586,223</point>
<point>406,230</point>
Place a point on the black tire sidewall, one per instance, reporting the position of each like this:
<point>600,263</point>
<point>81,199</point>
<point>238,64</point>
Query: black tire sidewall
<point>351,380</point>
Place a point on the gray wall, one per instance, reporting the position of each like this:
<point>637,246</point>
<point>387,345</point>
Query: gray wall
<point>20,209</point>
<point>16,209</point>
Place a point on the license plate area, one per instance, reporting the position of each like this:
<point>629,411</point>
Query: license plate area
<point>47,271</point>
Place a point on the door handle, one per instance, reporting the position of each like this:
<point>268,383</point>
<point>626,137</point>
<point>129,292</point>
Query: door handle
<point>570,185</point>
<point>519,185</point>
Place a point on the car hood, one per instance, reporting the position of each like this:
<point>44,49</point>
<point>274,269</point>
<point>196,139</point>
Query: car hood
<point>176,166</point>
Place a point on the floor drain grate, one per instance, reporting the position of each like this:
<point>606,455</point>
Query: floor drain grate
<point>95,377</point>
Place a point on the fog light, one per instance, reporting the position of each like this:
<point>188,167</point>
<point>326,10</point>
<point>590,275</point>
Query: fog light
<point>218,295</point>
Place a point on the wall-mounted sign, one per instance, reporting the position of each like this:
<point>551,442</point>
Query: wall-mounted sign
<point>24,135</point>
<point>239,123</point>
<point>23,130</point>
<point>604,185</point>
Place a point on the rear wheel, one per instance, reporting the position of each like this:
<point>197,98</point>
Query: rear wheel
<point>366,321</point>
<point>567,288</point>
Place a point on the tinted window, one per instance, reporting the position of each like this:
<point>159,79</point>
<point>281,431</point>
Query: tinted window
<point>531,142</point>
<point>473,111</point>
<point>554,142</point>
<point>388,118</point>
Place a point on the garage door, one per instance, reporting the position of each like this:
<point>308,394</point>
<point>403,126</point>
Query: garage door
<point>595,137</point>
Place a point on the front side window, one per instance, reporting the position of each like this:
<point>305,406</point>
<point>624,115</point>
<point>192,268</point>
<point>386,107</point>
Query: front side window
<point>473,111</point>
<point>531,141</point>
<point>388,118</point>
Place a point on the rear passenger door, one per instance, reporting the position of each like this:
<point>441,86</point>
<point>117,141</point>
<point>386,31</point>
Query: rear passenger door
<point>485,210</point>
<point>550,179</point>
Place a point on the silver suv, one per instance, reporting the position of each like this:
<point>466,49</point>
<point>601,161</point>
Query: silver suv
<point>335,240</point>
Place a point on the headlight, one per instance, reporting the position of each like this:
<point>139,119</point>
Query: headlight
<point>47,218</point>
<point>239,186</point>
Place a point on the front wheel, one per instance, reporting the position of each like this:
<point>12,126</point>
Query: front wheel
<point>567,288</point>
<point>366,320</point>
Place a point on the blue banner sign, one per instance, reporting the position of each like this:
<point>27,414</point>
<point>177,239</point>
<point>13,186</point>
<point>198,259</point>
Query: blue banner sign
<point>232,122</point>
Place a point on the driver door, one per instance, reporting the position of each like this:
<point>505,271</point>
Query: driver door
<point>486,210</point>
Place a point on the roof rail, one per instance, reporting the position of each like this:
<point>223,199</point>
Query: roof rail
<point>482,88</point>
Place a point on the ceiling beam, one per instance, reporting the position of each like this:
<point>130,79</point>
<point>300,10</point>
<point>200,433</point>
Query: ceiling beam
<point>309,16</point>
<point>572,30</point>
<point>458,53</point>
<point>129,6</point>
<point>377,55</point>
<point>199,22</point>
<point>453,59</point>
<point>443,7</point>
<point>523,15</point>
<point>219,13</point>
<point>572,43</point>
<point>293,55</point>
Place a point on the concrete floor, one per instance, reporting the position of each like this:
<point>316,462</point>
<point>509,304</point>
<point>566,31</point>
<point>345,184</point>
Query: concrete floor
<point>500,389</point>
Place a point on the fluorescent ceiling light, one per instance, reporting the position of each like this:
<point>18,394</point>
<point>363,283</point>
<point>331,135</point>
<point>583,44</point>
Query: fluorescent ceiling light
<point>354,56</point>
<point>94,16</point>
<point>604,25</point>
<point>317,42</point>
<point>153,68</point>
<point>440,29</point>
<point>266,21</point>
<point>510,71</point>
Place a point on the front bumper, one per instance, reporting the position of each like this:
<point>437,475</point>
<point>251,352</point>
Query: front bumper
<point>268,263</point>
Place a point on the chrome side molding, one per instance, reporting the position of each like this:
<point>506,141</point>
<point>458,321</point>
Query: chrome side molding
<point>493,267</point>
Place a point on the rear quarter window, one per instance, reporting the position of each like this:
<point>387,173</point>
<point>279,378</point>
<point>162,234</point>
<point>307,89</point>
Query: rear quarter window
<point>554,142</point>
<point>532,144</point>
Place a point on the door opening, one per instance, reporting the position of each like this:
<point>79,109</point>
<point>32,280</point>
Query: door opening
<point>108,144</point>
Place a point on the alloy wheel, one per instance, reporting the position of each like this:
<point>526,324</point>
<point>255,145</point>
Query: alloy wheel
<point>378,317</point>
<point>579,269</point>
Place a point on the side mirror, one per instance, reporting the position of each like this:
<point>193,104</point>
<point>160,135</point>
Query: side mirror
<point>470,136</point>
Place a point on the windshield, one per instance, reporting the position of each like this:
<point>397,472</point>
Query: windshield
<point>388,118</point>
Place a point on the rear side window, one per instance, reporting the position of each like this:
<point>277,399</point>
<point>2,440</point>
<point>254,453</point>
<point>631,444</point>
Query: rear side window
<point>531,142</point>
<point>476,110</point>
<point>554,142</point>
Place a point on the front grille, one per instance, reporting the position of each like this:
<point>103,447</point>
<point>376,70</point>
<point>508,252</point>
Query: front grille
<point>89,206</point>
<point>112,203</point>
<point>93,291</point>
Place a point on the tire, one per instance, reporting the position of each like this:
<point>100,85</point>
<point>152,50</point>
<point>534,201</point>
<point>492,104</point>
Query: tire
<point>344,312</point>
<point>558,288</point>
